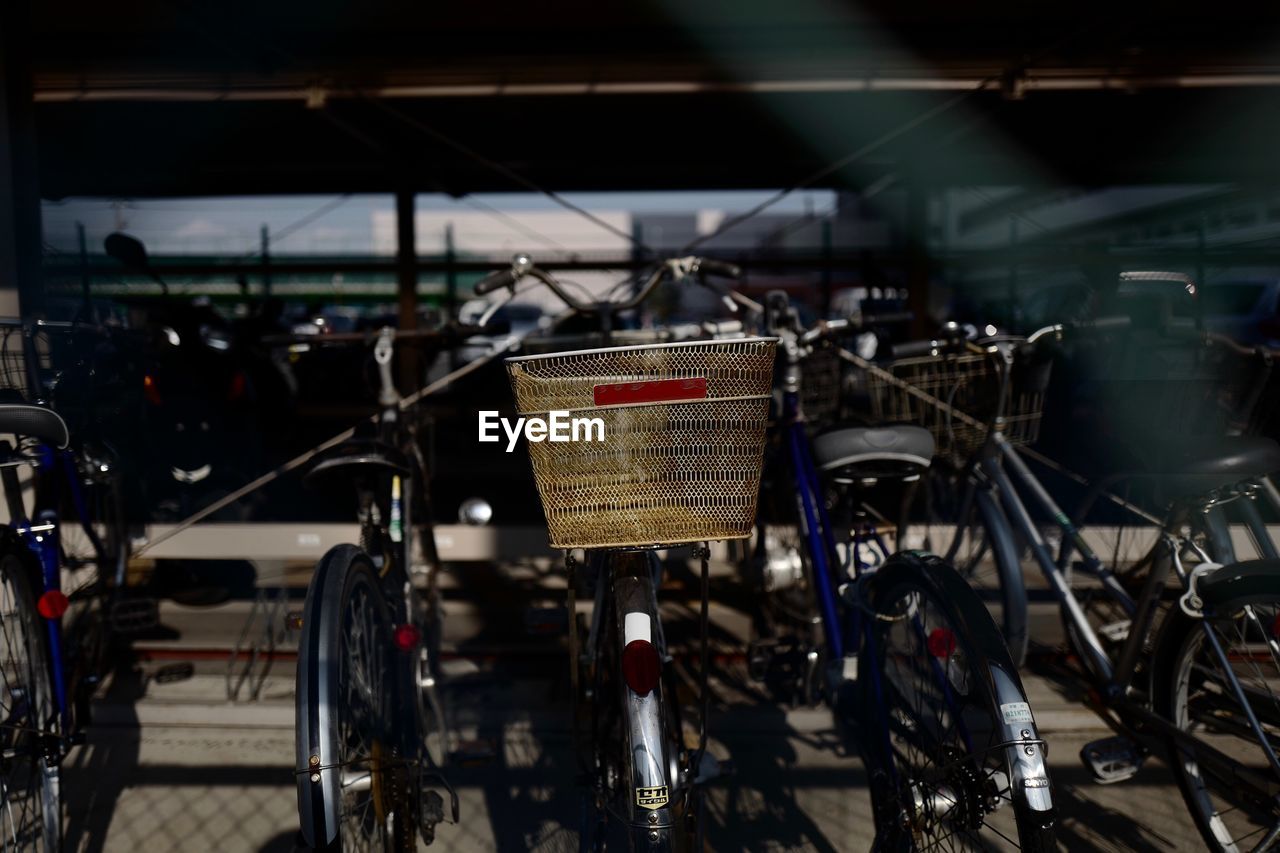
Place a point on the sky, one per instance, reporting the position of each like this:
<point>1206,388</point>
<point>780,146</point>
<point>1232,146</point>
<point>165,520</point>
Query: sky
<point>358,224</point>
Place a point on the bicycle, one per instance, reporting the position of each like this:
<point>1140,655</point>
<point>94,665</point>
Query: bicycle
<point>682,429</point>
<point>372,733</point>
<point>898,645</point>
<point>49,674</point>
<point>1196,684</point>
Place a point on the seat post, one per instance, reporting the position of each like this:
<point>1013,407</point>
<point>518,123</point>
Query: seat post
<point>12,486</point>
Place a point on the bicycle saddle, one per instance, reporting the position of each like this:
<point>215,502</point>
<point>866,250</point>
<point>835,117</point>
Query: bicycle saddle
<point>1192,465</point>
<point>858,453</point>
<point>35,422</point>
<point>359,456</point>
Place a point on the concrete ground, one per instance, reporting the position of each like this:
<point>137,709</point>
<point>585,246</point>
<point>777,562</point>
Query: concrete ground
<point>173,765</point>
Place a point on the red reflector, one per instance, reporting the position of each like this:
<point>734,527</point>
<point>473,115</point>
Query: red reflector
<point>52,604</point>
<point>236,391</point>
<point>406,637</point>
<point>151,389</point>
<point>942,642</point>
<point>641,666</point>
<point>655,391</point>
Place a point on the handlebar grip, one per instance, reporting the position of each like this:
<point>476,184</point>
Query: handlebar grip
<point>1108,324</point>
<point>495,281</point>
<point>887,318</point>
<point>910,349</point>
<point>723,269</point>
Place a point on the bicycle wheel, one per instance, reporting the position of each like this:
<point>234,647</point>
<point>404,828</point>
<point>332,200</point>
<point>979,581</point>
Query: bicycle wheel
<point>985,554</point>
<point>952,749</point>
<point>30,807</point>
<point>1222,764</point>
<point>353,777</point>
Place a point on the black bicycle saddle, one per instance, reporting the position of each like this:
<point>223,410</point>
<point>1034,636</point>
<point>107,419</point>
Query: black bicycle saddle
<point>1188,466</point>
<point>34,421</point>
<point>858,453</point>
<point>358,456</point>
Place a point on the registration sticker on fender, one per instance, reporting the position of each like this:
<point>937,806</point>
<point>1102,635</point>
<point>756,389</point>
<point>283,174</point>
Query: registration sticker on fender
<point>652,798</point>
<point>1016,712</point>
<point>651,391</point>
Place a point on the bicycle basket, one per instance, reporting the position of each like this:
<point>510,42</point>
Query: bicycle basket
<point>680,458</point>
<point>968,384</point>
<point>821,392</point>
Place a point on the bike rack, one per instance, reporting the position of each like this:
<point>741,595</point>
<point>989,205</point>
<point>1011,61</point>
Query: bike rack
<point>267,627</point>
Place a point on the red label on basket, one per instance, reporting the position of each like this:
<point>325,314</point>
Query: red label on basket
<point>654,391</point>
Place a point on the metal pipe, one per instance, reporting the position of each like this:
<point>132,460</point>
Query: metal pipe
<point>316,96</point>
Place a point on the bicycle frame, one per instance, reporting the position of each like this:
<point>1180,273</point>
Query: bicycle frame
<point>816,527</point>
<point>41,536</point>
<point>1113,677</point>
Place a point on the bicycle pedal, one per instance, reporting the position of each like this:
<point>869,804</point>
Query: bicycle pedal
<point>430,813</point>
<point>473,753</point>
<point>545,621</point>
<point>174,672</point>
<point>133,615</point>
<point>1112,759</point>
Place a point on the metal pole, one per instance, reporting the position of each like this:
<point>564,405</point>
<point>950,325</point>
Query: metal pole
<point>20,239</point>
<point>86,292</point>
<point>826,267</point>
<point>266,263</point>
<point>450,274</point>
<point>1011,320</point>
<point>918,260</point>
<point>407,285</point>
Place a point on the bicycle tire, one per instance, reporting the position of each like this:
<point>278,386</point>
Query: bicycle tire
<point>1178,662</point>
<point>957,774</point>
<point>987,528</point>
<point>27,725</point>
<point>347,713</point>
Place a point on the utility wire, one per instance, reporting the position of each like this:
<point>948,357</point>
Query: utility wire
<point>831,168</point>
<point>872,146</point>
<point>295,226</point>
<point>506,172</point>
<point>508,219</point>
<point>303,458</point>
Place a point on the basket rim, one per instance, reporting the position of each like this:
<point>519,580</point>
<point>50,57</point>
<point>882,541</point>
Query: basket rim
<point>638,347</point>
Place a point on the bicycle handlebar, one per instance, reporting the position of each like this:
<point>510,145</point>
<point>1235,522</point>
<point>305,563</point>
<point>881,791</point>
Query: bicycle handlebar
<point>495,281</point>
<point>913,349</point>
<point>831,328</point>
<point>937,346</point>
<point>451,333</point>
<point>522,266</point>
<point>724,269</point>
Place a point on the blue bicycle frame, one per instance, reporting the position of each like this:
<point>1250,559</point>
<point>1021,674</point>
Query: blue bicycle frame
<point>42,537</point>
<point>817,530</point>
<point>844,636</point>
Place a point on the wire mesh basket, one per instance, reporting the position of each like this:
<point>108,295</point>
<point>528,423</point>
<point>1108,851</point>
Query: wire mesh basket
<point>967,384</point>
<point>15,384</point>
<point>682,447</point>
<point>821,392</point>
